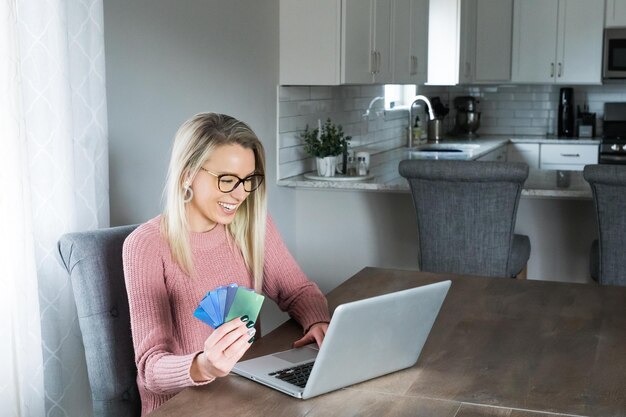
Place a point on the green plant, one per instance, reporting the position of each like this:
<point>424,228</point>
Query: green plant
<point>331,141</point>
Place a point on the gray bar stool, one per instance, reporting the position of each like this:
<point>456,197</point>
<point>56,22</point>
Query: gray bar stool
<point>466,212</point>
<point>608,185</point>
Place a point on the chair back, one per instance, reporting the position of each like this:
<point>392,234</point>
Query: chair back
<point>466,212</point>
<point>608,186</point>
<point>93,260</point>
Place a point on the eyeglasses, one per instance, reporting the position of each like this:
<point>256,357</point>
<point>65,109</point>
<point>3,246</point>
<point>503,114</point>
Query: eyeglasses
<point>228,182</point>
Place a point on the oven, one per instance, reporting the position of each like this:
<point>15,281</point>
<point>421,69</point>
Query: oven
<point>613,145</point>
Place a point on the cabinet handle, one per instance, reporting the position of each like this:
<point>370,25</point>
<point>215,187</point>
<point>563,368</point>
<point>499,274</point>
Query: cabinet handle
<point>373,62</point>
<point>560,70</point>
<point>571,155</point>
<point>551,69</point>
<point>377,62</point>
<point>413,65</point>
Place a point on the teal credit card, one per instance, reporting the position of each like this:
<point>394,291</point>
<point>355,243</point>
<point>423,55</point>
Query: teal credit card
<point>246,303</point>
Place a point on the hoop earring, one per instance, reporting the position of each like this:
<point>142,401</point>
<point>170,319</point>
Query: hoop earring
<point>188,192</point>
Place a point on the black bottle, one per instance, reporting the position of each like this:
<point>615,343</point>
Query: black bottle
<point>566,113</point>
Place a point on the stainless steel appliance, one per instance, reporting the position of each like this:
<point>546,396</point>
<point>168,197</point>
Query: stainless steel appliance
<point>467,119</point>
<point>614,55</point>
<point>613,146</point>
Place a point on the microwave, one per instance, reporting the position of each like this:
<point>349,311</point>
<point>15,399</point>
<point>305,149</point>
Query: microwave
<point>614,57</point>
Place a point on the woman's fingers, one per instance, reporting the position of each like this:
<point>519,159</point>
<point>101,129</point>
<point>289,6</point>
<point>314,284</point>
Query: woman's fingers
<point>227,344</point>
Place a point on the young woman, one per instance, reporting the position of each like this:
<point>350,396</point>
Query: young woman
<point>213,231</point>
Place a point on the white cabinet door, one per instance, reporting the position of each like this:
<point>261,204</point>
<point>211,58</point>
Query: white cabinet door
<point>615,13</point>
<point>579,51</point>
<point>419,40</point>
<point>534,40</point>
<point>402,60</point>
<point>381,40</point>
<point>558,41</point>
<point>524,152</point>
<point>494,31</point>
<point>410,23</point>
<point>310,53</point>
<point>469,41</point>
<point>358,55</point>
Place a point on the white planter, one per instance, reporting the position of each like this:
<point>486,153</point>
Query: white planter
<point>326,166</point>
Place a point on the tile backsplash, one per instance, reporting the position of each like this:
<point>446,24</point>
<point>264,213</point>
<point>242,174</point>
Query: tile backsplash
<point>508,110</point>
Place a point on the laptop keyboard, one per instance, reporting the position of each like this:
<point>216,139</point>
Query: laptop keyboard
<point>297,375</point>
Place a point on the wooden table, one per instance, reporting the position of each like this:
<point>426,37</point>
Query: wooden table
<point>500,348</point>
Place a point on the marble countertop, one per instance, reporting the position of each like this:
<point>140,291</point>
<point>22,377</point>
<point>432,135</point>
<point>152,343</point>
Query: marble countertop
<point>385,177</point>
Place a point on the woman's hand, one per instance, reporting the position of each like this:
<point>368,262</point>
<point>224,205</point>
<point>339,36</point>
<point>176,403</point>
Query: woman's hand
<point>316,334</point>
<point>222,349</point>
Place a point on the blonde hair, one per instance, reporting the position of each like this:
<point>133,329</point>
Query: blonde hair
<point>194,143</point>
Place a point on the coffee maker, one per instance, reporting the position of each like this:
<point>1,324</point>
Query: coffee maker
<point>566,119</point>
<point>467,118</point>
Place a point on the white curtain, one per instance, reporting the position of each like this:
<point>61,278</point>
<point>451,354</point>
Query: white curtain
<point>53,180</point>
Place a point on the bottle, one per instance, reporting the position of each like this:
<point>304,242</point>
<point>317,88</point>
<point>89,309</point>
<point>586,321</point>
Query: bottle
<point>351,171</point>
<point>361,167</point>
<point>417,131</point>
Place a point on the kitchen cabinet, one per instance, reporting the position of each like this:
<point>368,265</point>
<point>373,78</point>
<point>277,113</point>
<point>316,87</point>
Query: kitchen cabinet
<point>410,59</point>
<point>469,41</point>
<point>331,42</point>
<point>524,152</point>
<point>558,41</point>
<point>615,13</point>
<point>568,157</point>
<point>498,154</point>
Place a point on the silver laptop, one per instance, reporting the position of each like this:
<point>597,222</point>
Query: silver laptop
<point>365,339</point>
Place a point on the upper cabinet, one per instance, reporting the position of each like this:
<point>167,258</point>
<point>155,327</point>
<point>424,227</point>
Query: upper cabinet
<point>558,41</point>
<point>469,41</point>
<point>330,42</point>
<point>615,13</point>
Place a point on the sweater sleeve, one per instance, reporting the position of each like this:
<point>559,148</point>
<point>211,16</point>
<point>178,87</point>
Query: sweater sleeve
<point>286,283</point>
<point>158,369</point>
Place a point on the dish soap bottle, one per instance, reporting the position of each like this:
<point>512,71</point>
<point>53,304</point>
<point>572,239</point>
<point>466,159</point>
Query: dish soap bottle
<point>417,131</point>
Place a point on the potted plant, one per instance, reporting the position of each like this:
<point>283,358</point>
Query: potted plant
<point>325,143</point>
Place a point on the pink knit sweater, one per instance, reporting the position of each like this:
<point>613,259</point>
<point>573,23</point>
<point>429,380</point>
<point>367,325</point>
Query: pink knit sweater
<point>162,299</point>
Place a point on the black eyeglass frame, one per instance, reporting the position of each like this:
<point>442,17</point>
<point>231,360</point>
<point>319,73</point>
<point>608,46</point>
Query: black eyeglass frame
<point>239,180</point>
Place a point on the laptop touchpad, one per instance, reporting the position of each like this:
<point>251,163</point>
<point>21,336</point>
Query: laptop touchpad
<point>297,355</point>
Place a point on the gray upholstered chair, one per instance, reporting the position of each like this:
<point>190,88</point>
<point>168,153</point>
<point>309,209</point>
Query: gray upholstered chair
<point>93,260</point>
<point>608,185</point>
<point>466,212</point>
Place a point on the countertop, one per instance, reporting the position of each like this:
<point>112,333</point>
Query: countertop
<point>385,177</point>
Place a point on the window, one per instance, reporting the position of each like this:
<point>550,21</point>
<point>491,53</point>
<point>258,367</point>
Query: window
<point>397,95</point>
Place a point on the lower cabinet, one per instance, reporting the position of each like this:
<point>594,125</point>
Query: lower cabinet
<point>498,154</point>
<point>524,152</point>
<point>568,157</point>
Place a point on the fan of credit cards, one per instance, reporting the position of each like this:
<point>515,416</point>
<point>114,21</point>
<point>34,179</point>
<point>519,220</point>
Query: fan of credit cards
<point>228,302</point>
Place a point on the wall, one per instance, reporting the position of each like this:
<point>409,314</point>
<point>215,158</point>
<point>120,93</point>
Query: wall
<point>165,63</point>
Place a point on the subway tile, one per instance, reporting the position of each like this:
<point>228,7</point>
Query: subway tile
<point>286,140</point>
<point>323,92</point>
<point>294,153</point>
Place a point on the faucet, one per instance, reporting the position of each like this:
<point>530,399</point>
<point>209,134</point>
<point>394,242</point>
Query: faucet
<point>431,114</point>
<point>369,107</point>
